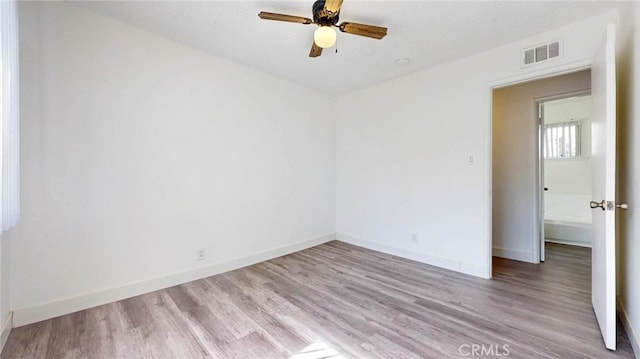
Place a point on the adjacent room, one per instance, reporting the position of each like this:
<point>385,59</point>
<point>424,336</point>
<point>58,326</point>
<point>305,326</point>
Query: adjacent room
<point>319,179</point>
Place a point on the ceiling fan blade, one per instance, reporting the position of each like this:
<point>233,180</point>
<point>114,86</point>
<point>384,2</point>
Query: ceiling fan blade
<point>332,6</point>
<point>282,17</point>
<point>375,32</point>
<point>315,50</point>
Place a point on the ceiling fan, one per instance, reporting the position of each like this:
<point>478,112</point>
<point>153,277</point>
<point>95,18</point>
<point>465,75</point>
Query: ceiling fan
<point>325,15</point>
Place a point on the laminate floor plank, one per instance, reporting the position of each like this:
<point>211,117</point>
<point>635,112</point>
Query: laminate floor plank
<point>341,301</point>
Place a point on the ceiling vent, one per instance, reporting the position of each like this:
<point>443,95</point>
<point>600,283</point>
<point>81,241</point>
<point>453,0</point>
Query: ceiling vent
<point>541,53</point>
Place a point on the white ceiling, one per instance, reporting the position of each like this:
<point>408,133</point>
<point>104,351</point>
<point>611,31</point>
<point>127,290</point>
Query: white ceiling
<point>426,32</point>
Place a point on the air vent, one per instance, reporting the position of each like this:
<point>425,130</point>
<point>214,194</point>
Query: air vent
<point>540,53</point>
<point>554,49</point>
<point>529,56</point>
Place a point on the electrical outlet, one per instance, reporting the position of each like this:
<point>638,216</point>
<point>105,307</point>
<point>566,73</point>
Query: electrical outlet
<point>201,254</point>
<point>414,237</point>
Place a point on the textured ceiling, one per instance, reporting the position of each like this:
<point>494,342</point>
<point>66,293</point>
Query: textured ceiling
<point>426,32</point>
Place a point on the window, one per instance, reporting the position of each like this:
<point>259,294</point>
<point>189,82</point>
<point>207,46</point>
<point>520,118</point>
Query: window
<point>561,140</point>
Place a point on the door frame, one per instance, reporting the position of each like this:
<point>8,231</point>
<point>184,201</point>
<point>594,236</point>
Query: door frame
<point>539,103</point>
<point>514,80</point>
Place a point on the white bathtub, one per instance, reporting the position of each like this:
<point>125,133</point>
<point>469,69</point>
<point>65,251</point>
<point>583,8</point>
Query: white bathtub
<point>575,233</point>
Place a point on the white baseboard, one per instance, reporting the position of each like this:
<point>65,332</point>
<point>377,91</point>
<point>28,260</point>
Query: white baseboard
<point>24,316</point>
<point>512,254</point>
<point>634,337</point>
<point>446,263</point>
<point>5,329</point>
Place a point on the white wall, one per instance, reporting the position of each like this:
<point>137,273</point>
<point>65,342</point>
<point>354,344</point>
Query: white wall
<point>137,151</point>
<point>629,174</point>
<point>569,180</point>
<point>516,188</point>
<point>403,149</point>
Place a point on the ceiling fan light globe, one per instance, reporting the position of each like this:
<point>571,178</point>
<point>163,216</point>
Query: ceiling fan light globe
<point>324,36</point>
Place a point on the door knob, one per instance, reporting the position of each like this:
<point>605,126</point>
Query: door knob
<point>594,204</point>
<point>607,205</point>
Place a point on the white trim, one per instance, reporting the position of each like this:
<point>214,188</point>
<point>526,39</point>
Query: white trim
<point>9,117</point>
<point>513,80</point>
<point>24,316</point>
<point>564,69</point>
<point>446,263</point>
<point>515,255</point>
<point>634,338</point>
<point>5,329</point>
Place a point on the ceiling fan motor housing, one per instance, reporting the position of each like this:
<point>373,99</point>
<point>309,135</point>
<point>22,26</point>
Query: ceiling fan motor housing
<point>322,17</point>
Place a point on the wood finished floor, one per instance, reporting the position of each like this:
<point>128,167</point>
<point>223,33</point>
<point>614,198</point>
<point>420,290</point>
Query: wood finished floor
<point>338,300</point>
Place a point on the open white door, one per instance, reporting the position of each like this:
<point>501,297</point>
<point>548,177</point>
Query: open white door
<point>603,256</point>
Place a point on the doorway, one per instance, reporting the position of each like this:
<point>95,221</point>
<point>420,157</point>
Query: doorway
<point>517,203</point>
<point>565,170</point>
